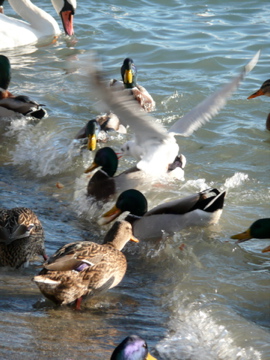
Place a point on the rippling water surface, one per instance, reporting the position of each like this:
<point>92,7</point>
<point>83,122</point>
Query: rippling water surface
<point>209,301</point>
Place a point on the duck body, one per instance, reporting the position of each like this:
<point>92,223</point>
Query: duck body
<point>132,347</point>
<point>264,90</point>
<point>11,105</point>
<point>21,237</point>
<point>129,82</point>
<point>85,268</point>
<point>103,183</point>
<point>260,229</point>
<point>200,209</point>
<point>37,25</point>
<point>156,146</point>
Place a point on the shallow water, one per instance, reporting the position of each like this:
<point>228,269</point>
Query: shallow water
<point>207,301</point>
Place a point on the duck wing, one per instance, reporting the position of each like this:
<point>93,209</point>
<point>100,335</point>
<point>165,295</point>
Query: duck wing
<point>210,107</point>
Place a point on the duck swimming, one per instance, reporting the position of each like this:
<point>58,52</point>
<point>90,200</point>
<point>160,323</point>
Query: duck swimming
<point>264,90</point>
<point>132,347</point>
<point>154,146</point>
<point>260,229</point>
<point>129,78</point>
<point>38,24</point>
<point>103,183</point>
<point>21,237</point>
<point>11,105</point>
<point>201,209</point>
<point>96,129</point>
<point>85,268</point>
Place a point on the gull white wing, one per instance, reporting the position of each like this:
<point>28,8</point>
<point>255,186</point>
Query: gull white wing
<point>211,106</point>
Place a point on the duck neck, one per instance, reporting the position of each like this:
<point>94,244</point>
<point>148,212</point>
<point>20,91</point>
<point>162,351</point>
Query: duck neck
<point>38,19</point>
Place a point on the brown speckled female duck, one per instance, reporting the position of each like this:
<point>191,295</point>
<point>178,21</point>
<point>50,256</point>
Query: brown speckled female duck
<point>21,237</point>
<point>264,90</point>
<point>85,268</point>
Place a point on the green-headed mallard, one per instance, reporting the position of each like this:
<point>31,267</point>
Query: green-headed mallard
<point>260,229</point>
<point>103,183</point>
<point>21,237</point>
<point>132,347</point>
<point>38,24</point>
<point>85,268</point>
<point>154,146</point>
<point>11,105</point>
<point>129,78</point>
<point>199,209</point>
<point>96,129</point>
<point>264,90</point>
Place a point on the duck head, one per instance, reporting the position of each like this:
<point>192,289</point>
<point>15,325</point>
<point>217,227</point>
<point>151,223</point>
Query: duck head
<point>130,200</point>
<point>129,73</point>
<point>260,229</point>
<point>132,347</point>
<point>264,90</point>
<point>5,72</point>
<point>107,159</point>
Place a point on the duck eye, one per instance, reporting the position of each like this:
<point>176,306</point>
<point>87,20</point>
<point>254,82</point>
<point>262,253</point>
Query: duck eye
<point>127,148</point>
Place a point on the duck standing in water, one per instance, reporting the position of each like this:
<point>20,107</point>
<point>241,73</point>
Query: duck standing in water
<point>21,237</point>
<point>132,347</point>
<point>11,105</point>
<point>260,229</point>
<point>201,209</point>
<point>84,268</point>
<point>264,90</point>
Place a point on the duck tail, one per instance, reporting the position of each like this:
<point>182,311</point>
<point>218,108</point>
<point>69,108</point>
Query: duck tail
<point>215,203</point>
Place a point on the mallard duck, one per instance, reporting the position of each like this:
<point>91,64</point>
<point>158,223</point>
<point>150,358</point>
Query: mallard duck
<point>1,7</point>
<point>129,78</point>
<point>200,209</point>
<point>84,268</point>
<point>154,146</point>
<point>11,105</point>
<point>260,229</point>
<point>132,347</point>
<point>264,90</point>
<point>38,24</point>
<point>103,183</point>
<point>103,123</point>
<point>21,237</point>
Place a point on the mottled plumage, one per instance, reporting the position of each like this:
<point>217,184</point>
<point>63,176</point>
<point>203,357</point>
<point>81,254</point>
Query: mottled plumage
<point>85,268</point>
<point>264,90</point>
<point>21,237</point>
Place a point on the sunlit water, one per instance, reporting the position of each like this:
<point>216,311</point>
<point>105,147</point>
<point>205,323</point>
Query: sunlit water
<point>209,300</point>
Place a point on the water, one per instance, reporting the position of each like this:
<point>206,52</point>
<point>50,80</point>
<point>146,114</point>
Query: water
<point>207,301</point>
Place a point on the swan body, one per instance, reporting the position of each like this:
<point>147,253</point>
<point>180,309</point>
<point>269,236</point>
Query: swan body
<point>36,23</point>
<point>154,144</point>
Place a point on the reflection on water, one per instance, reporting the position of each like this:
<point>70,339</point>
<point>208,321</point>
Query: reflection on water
<point>195,295</point>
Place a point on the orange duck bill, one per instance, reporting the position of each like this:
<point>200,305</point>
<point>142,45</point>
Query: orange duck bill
<point>260,92</point>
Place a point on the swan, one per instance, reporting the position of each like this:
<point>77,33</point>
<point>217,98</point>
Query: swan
<point>37,25</point>
<point>154,146</point>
